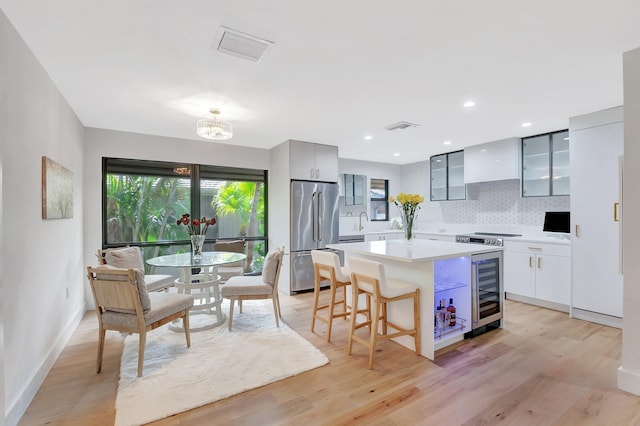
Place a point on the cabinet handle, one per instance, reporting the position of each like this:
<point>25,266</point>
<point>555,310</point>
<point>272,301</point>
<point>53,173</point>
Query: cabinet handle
<point>577,230</point>
<point>535,248</point>
<point>539,263</point>
<point>317,173</point>
<point>615,212</point>
<point>311,173</point>
<point>530,262</point>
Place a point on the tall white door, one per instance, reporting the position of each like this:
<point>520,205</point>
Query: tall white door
<point>595,192</point>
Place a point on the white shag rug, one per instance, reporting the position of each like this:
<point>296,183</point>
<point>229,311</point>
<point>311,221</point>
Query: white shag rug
<point>219,364</point>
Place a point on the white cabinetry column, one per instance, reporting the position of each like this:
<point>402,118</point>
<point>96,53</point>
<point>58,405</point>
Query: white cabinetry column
<point>629,371</point>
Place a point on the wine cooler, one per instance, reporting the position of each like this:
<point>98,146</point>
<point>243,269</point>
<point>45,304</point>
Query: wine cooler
<point>486,288</point>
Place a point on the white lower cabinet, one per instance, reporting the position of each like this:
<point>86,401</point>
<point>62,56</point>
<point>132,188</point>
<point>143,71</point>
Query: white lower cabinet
<point>538,271</point>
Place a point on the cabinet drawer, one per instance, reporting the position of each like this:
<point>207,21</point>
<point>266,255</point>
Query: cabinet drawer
<point>538,248</point>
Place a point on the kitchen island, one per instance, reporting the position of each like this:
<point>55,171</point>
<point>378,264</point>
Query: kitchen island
<point>442,270</point>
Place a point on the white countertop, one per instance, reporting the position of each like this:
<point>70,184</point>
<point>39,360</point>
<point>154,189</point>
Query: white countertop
<point>417,251</point>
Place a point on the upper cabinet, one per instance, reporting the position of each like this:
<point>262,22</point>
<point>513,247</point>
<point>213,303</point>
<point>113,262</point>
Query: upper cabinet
<point>311,161</point>
<point>447,176</point>
<point>545,165</point>
<point>499,160</point>
<point>355,189</point>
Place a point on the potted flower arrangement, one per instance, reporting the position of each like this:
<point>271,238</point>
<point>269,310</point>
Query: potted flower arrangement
<point>197,230</point>
<point>408,205</point>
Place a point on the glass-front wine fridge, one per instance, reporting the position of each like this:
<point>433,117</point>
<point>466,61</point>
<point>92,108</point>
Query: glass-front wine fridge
<point>486,288</point>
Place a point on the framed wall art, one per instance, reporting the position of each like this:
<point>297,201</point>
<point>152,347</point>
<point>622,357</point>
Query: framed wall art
<point>57,190</point>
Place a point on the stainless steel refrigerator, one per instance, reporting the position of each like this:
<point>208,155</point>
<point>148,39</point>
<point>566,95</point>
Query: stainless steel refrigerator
<point>314,224</point>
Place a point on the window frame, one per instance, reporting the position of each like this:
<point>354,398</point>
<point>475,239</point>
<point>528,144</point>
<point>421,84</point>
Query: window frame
<point>196,172</point>
<point>378,200</point>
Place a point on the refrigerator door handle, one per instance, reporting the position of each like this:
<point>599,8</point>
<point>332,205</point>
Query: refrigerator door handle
<point>320,209</point>
<point>314,216</point>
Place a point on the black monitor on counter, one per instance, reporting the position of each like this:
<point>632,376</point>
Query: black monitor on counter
<point>557,222</point>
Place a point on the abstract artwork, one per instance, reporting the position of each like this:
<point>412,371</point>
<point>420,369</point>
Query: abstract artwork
<point>57,190</point>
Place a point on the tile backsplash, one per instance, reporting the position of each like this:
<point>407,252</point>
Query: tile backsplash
<point>493,203</point>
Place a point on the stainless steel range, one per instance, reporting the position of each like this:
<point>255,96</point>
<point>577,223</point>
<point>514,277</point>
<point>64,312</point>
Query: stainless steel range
<point>488,238</point>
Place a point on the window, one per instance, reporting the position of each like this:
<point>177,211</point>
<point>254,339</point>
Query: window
<point>142,201</point>
<point>379,196</point>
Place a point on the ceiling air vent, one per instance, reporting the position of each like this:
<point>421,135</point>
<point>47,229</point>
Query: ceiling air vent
<point>242,45</point>
<point>401,125</point>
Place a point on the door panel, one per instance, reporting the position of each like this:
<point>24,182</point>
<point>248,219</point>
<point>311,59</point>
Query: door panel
<point>302,277</point>
<point>596,279</point>
<point>328,213</point>
<point>303,232</point>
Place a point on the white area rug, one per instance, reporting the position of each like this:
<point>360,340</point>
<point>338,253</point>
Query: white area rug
<point>219,364</point>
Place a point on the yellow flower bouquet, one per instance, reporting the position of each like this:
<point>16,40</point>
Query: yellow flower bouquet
<point>408,204</point>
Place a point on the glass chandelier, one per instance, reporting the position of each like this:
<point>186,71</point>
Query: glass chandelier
<point>214,128</point>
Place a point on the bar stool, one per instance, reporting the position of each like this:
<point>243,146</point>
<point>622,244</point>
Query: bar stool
<point>326,267</point>
<point>368,277</point>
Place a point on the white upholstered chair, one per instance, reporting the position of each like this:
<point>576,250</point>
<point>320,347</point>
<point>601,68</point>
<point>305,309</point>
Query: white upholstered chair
<point>131,257</point>
<point>252,287</point>
<point>368,278</point>
<point>123,304</point>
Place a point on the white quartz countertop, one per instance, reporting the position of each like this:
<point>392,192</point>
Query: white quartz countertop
<point>417,251</point>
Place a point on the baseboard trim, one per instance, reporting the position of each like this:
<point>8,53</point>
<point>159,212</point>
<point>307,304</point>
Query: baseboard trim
<point>538,302</point>
<point>597,318</point>
<point>17,409</point>
<point>628,381</point>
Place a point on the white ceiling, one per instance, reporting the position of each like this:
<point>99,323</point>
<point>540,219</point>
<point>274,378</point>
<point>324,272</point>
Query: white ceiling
<point>338,70</point>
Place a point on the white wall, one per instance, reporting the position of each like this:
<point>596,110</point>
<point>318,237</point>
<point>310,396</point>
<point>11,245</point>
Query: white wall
<point>2,396</point>
<point>101,143</point>
<point>629,371</point>
<point>45,257</point>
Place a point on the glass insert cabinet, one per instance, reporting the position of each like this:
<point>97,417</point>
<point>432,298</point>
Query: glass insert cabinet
<point>447,176</point>
<point>545,165</point>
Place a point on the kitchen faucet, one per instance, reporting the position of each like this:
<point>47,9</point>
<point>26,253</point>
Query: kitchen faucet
<point>360,227</point>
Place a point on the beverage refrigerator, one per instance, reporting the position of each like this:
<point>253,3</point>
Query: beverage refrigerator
<point>314,224</point>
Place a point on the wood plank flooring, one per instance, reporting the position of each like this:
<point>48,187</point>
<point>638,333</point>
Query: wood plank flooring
<point>541,369</point>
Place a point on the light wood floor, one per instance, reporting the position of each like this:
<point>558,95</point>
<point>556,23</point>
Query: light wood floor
<point>542,368</point>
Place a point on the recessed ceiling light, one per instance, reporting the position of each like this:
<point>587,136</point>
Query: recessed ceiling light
<point>483,150</point>
<point>469,104</point>
<point>526,124</point>
<point>368,137</point>
<point>447,142</point>
<point>397,154</point>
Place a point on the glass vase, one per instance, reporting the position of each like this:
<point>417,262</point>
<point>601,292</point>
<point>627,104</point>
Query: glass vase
<point>196,246</point>
<point>407,225</point>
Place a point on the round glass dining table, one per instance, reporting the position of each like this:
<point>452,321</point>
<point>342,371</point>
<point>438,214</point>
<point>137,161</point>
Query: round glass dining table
<point>199,278</point>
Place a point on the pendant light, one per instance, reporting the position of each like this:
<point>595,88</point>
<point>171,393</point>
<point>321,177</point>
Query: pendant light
<point>214,128</point>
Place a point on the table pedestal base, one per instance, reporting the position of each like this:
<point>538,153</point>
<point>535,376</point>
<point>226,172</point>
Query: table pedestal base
<point>206,312</point>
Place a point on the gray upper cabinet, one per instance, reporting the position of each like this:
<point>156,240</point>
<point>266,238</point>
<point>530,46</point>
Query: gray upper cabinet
<point>311,161</point>
<point>545,165</point>
<point>355,189</point>
<point>447,177</point>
